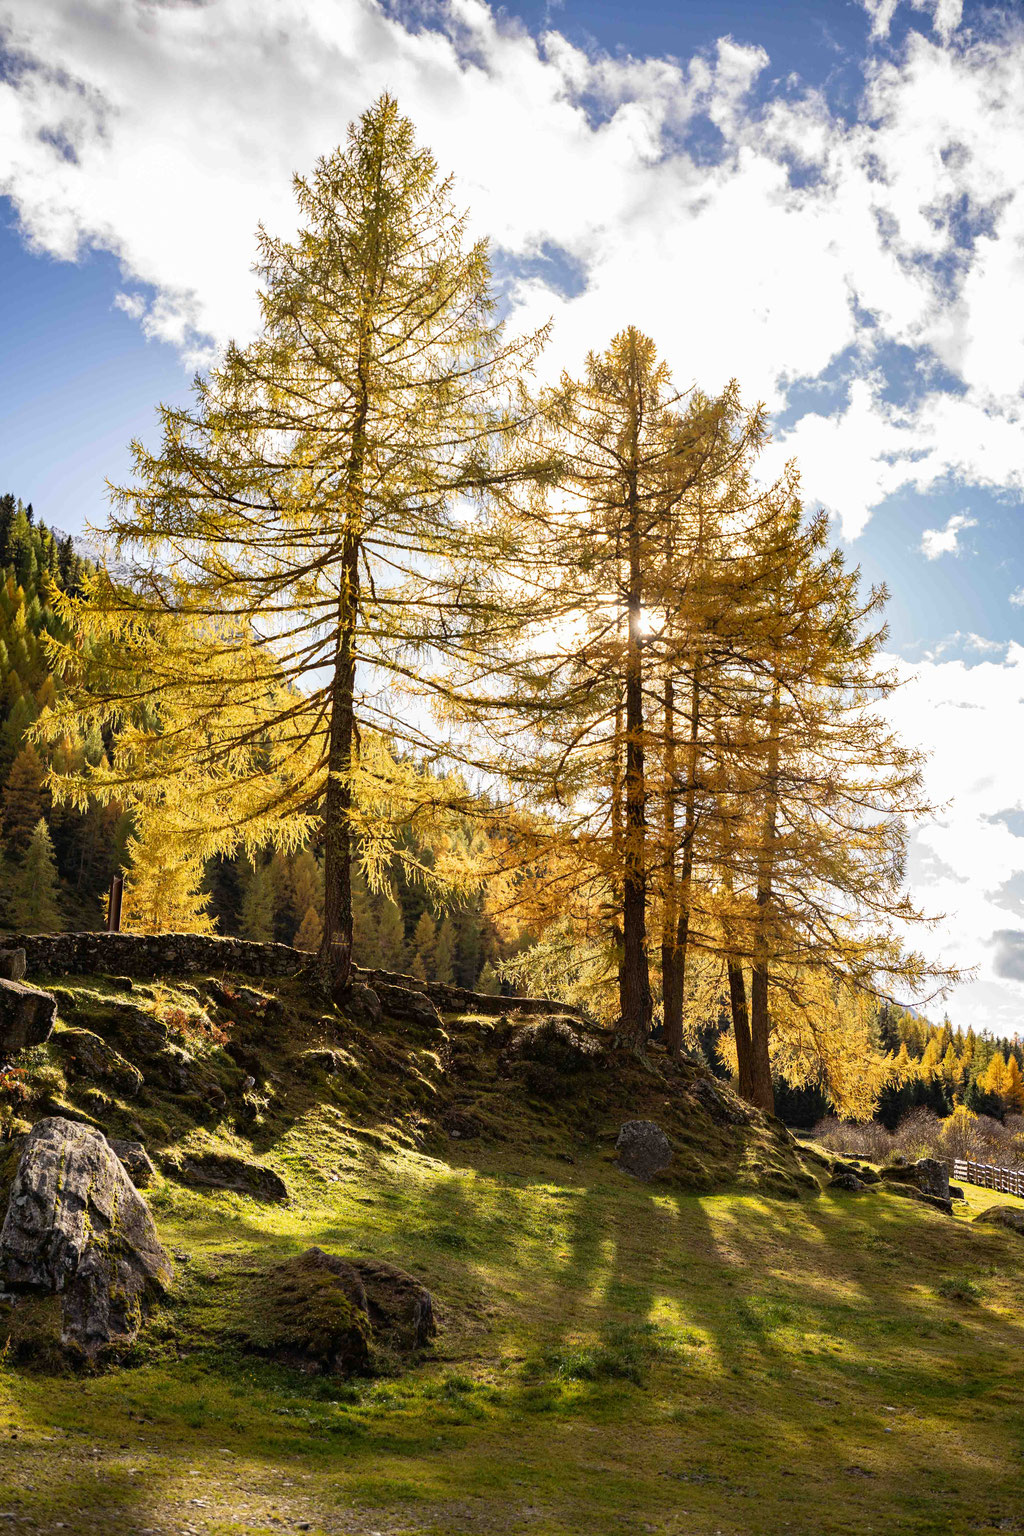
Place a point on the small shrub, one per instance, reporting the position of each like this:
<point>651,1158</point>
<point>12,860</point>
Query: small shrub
<point>958,1288</point>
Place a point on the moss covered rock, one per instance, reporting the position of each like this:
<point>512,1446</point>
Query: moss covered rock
<point>311,1313</point>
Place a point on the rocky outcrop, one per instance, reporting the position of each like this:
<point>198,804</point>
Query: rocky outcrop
<point>27,1017</point>
<point>137,1163</point>
<point>847,1178</point>
<point>400,1309</point>
<point>721,1103</point>
<point>643,1149</point>
<point>407,1003</point>
<point>1009,1216</point>
<point>93,1057</point>
<point>222,1170</point>
<point>323,1314</point>
<point>76,1227</point>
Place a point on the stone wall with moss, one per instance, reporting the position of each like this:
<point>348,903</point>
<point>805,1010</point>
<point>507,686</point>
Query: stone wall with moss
<point>145,956</point>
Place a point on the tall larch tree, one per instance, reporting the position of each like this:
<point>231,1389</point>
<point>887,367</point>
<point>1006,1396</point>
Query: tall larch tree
<point>304,547</point>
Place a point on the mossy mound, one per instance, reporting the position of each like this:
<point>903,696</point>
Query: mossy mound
<point>310,1313</point>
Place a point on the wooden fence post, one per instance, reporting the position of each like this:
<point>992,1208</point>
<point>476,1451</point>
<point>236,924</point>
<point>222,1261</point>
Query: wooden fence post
<point>114,904</point>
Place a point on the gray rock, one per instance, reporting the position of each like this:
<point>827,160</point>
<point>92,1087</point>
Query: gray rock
<point>12,964</point>
<point>222,1170</point>
<point>27,1017</point>
<point>644,1149</point>
<point>93,1057</point>
<point>1009,1216</point>
<point>402,1003</point>
<point>845,1178</point>
<point>928,1174</point>
<point>362,1004</point>
<point>933,1177</point>
<point>136,1160</point>
<point>76,1227</point>
<point>956,1193</point>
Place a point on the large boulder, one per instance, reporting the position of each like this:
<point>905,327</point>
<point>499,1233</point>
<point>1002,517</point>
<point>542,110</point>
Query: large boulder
<point>643,1149</point>
<point>77,1228</point>
<point>933,1177</point>
<point>27,1017</point>
<point>322,1313</point>
<point>1009,1216</point>
<point>222,1170</point>
<point>406,1003</point>
<point>362,1004</point>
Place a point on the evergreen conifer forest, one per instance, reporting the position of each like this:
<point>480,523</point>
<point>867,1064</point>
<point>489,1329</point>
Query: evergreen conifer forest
<point>519,1096</point>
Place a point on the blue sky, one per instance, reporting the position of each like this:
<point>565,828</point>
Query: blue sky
<point>822,199</point>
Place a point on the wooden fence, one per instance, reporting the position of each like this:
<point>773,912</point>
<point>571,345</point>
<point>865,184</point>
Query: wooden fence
<point>1006,1180</point>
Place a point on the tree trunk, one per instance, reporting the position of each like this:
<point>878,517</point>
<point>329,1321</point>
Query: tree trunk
<point>682,934</point>
<point>671,981</point>
<point>336,946</point>
<point>335,955</point>
<point>761,1091</point>
<point>741,1028</point>
<point>634,974</point>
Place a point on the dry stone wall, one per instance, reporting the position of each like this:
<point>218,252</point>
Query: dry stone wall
<point>144,956</point>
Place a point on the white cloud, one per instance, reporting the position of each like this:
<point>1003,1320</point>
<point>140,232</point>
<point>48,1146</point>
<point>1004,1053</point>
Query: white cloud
<point>1017,598</point>
<point>964,715</point>
<point>945,541</point>
<point>164,133</point>
<point>946,15</point>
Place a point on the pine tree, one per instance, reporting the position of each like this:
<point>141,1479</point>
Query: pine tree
<point>1014,1090</point>
<point>33,904</point>
<point>304,521</point>
<point>23,800</point>
<point>164,889</point>
<point>424,941</point>
<point>310,931</point>
<point>444,952</point>
<point>258,906</point>
<point>995,1079</point>
<point>390,934</point>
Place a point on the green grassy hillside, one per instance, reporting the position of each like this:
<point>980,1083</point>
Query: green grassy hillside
<point>612,1357</point>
